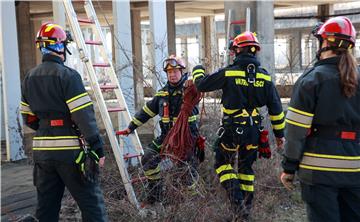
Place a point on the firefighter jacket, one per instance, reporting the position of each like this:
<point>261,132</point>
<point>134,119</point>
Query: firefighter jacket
<point>166,103</point>
<point>242,94</point>
<point>56,105</point>
<point>322,129</point>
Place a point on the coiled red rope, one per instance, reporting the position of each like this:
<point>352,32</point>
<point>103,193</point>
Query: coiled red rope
<point>179,144</point>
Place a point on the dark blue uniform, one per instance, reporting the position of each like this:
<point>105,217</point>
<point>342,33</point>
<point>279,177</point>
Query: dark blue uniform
<point>245,87</point>
<point>56,105</point>
<point>323,143</point>
<point>166,103</point>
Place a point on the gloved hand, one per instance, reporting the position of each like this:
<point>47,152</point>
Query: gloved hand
<point>200,152</point>
<point>287,180</point>
<point>88,163</point>
<point>264,147</point>
<point>124,132</point>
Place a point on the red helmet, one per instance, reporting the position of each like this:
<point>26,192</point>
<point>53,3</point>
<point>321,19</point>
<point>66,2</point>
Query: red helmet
<point>51,34</point>
<point>246,39</point>
<point>339,31</point>
<point>173,62</point>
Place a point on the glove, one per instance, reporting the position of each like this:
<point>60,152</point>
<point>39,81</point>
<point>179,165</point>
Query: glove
<point>288,180</point>
<point>124,132</point>
<point>87,162</point>
<point>200,151</point>
<point>197,71</point>
<point>264,148</point>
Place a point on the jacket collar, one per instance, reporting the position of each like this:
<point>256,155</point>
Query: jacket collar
<point>52,58</point>
<point>333,60</point>
<point>243,60</point>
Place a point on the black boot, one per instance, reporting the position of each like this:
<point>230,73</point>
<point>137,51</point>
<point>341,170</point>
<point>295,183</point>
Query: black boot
<point>154,191</point>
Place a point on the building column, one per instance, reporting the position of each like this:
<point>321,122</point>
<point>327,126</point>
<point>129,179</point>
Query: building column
<point>137,66</point>
<point>261,22</point>
<point>171,27</point>
<point>266,32</point>
<point>123,51</point>
<point>324,11</point>
<point>10,73</point>
<point>295,51</point>
<point>59,16</point>
<point>26,38</point>
<point>208,42</point>
<point>159,43</point>
<point>184,50</point>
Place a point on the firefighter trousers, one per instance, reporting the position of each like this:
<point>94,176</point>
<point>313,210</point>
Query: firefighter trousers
<point>51,178</point>
<point>238,184</point>
<point>152,169</point>
<point>331,204</point>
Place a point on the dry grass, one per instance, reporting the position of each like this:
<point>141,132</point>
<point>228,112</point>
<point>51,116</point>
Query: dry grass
<point>272,202</point>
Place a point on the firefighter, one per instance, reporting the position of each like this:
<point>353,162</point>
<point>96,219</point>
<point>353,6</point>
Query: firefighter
<point>323,128</point>
<point>166,103</point>
<point>245,86</point>
<point>55,104</point>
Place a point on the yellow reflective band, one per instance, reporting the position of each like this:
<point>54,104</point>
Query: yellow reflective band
<point>57,148</point>
<point>263,76</point>
<point>301,112</point>
<point>157,145</point>
<point>251,146</point>
<point>152,171</point>
<point>297,124</point>
<point>223,167</point>
<point>329,169</point>
<point>332,156</point>
<point>235,73</point>
<point>76,97</point>
<point>49,27</point>
<point>249,188</point>
<point>243,114</point>
<point>79,102</point>
<point>277,117</point>
<point>154,177</point>
<point>162,93</point>
<point>229,111</point>
<point>247,177</point>
<point>228,176</point>
<point>54,137</point>
<point>148,111</point>
<point>299,118</point>
<point>27,113</point>
<point>79,157</point>
<point>230,149</point>
<point>255,112</point>
<point>279,126</point>
<point>198,71</point>
<point>165,119</point>
<point>192,118</point>
<point>197,76</point>
<point>81,107</point>
<point>24,104</point>
<point>137,122</point>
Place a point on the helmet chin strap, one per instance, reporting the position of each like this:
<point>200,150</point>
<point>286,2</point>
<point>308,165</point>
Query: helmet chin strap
<point>59,52</point>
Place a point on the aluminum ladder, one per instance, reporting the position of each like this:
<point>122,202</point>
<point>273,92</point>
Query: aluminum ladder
<point>117,143</point>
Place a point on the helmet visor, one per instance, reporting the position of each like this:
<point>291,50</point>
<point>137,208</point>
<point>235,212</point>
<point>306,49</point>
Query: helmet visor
<point>172,63</point>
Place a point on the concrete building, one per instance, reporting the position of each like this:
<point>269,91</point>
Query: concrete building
<point>195,30</point>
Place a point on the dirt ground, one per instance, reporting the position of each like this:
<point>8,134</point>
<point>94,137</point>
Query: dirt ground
<point>272,202</point>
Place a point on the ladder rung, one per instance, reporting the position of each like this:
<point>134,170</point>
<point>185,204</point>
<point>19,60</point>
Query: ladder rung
<point>101,64</point>
<point>238,22</point>
<point>117,109</point>
<point>129,156</point>
<point>108,87</point>
<point>91,42</point>
<point>86,21</point>
<point>138,179</point>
